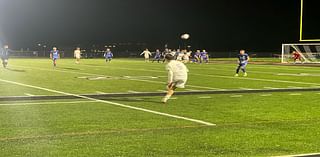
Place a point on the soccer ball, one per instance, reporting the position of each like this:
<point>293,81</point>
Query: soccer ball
<point>185,36</point>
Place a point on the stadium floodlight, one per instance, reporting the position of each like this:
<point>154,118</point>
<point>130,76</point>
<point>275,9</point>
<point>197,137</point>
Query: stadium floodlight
<point>185,36</point>
<point>309,52</point>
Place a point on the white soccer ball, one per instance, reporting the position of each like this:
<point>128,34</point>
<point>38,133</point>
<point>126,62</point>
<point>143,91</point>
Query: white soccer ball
<point>185,36</point>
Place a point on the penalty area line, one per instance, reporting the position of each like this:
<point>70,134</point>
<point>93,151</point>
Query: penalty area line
<point>112,103</point>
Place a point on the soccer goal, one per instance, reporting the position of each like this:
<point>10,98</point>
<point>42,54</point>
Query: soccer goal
<point>308,52</point>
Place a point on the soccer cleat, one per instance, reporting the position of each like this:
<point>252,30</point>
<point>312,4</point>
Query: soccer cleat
<point>245,74</point>
<point>164,100</point>
<point>236,75</point>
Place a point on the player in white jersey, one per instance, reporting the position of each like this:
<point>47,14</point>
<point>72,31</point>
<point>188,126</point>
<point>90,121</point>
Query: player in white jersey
<point>77,55</point>
<point>146,54</point>
<point>177,76</point>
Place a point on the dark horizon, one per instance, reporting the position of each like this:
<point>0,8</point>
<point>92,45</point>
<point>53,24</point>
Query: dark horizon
<point>213,25</point>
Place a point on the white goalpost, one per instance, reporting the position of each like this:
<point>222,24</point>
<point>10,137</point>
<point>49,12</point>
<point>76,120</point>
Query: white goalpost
<point>309,52</point>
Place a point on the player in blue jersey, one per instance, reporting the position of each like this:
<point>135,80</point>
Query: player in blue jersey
<point>196,57</point>
<point>54,55</point>
<point>243,59</point>
<point>157,56</point>
<point>108,55</point>
<point>4,54</point>
<point>204,57</point>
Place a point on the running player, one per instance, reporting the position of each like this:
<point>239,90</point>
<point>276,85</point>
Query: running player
<point>4,54</point>
<point>243,62</point>
<point>54,55</point>
<point>146,54</point>
<point>77,55</point>
<point>177,76</point>
<point>157,56</point>
<point>296,56</point>
<point>108,55</point>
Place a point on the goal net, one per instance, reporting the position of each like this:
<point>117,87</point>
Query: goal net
<point>308,52</point>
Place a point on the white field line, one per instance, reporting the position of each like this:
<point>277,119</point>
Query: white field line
<point>266,95</point>
<point>46,103</point>
<point>132,79</point>
<point>111,103</point>
<point>100,92</point>
<point>300,155</point>
<point>236,96</point>
<point>162,91</point>
<point>191,90</point>
<point>246,88</point>
<point>28,94</point>
<point>295,94</point>
<point>205,97</point>
<point>229,77</point>
<point>131,91</point>
<point>271,88</point>
<point>286,68</point>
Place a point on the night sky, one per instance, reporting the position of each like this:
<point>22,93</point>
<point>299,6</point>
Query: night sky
<point>216,25</point>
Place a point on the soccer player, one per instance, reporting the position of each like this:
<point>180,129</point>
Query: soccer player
<point>54,55</point>
<point>186,57</point>
<point>77,55</point>
<point>146,54</point>
<point>108,55</point>
<point>243,62</point>
<point>180,56</point>
<point>177,76</point>
<point>157,56</point>
<point>4,54</point>
<point>164,53</point>
<point>296,56</point>
<point>196,57</point>
<point>204,57</point>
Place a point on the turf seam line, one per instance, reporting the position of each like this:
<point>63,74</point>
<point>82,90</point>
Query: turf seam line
<point>113,103</point>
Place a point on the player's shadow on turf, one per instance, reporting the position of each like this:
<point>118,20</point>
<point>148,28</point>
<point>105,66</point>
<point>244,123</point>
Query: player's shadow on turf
<point>16,70</point>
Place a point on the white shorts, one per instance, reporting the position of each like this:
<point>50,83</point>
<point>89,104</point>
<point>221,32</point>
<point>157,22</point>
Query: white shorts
<point>179,83</point>
<point>78,56</point>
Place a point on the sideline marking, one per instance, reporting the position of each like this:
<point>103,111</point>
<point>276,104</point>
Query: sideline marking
<point>111,103</point>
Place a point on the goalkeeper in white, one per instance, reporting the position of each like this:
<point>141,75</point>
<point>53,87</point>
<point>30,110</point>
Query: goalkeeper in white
<point>177,76</point>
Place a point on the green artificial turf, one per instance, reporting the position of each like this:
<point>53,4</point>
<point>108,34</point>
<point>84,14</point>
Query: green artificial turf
<point>255,124</point>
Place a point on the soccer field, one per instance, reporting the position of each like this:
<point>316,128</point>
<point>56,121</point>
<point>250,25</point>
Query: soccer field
<point>114,109</point>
